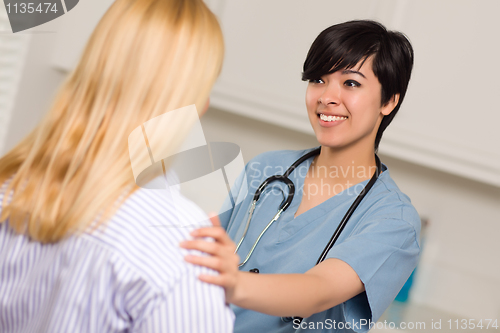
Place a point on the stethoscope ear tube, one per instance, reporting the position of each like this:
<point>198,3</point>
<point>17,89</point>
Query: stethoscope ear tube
<point>277,216</point>
<point>291,190</point>
<point>283,206</point>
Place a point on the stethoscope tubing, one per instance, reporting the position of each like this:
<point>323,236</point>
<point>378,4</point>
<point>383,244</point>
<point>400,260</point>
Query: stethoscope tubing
<point>277,216</point>
<point>283,206</point>
<point>286,203</point>
<point>350,211</point>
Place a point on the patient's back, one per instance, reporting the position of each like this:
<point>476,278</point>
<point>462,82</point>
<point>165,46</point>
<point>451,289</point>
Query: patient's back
<point>128,276</point>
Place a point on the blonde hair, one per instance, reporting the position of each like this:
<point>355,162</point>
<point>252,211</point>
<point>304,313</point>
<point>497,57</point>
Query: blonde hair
<point>144,58</point>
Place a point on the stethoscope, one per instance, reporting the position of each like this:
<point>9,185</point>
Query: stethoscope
<point>288,200</point>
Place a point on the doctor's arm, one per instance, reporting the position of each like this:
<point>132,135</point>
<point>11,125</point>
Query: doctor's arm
<point>322,287</point>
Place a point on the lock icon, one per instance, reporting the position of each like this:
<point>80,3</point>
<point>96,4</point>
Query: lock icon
<point>203,172</point>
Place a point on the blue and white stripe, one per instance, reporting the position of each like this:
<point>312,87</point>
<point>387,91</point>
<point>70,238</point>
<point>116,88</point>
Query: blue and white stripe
<point>129,276</point>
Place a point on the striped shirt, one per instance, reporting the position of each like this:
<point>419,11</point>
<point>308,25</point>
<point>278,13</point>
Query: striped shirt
<point>129,276</point>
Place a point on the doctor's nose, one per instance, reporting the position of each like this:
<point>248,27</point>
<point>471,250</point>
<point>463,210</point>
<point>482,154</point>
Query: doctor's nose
<point>331,95</point>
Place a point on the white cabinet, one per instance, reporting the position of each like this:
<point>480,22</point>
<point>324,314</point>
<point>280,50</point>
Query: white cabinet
<point>450,118</point>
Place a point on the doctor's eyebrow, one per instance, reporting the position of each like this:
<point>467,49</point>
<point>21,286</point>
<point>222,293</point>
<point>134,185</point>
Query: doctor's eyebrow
<point>351,71</point>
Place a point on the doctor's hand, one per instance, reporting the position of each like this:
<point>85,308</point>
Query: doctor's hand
<point>222,257</point>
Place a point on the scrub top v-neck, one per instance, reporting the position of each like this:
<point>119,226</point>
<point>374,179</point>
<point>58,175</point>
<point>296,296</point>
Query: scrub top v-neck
<point>381,236</point>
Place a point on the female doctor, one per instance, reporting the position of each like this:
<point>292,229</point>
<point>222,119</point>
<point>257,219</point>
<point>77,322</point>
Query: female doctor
<point>358,74</point>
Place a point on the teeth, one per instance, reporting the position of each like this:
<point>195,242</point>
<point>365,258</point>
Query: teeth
<point>331,118</point>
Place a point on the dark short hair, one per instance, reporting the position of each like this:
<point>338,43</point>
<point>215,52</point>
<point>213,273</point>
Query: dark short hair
<point>343,45</point>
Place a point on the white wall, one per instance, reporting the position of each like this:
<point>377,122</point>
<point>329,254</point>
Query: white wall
<point>459,272</point>
<point>452,121</point>
<point>37,85</point>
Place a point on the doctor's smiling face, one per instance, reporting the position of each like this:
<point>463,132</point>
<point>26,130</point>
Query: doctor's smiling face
<point>359,72</point>
<point>345,107</point>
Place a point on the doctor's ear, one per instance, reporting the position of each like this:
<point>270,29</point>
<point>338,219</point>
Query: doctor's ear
<point>390,105</point>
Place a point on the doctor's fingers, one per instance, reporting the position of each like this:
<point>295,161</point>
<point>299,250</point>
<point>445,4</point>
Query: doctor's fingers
<point>212,248</point>
<point>227,265</point>
<point>217,233</point>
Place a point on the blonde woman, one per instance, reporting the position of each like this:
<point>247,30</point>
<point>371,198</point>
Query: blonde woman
<point>78,252</point>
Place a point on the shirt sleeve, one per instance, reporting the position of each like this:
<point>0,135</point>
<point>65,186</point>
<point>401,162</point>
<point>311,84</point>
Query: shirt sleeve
<point>383,253</point>
<point>191,306</point>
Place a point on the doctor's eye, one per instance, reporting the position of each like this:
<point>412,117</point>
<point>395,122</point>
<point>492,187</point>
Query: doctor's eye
<point>352,83</point>
<point>316,81</point>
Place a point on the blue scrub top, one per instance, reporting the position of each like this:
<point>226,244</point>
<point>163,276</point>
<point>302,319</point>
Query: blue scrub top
<point>380,241</point>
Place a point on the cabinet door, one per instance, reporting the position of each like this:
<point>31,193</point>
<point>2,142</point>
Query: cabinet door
<point>450,116</point>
